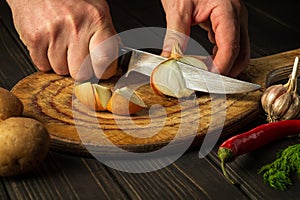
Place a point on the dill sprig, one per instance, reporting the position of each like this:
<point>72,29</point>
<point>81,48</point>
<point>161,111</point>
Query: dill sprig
<point>277,174</point>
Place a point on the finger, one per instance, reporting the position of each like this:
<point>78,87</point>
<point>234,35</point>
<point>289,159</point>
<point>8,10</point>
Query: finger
<point>243,58</point>
<point>211,37</point>
<point>104,53</point>
<point>207,27</point>
<point>227,44</point>
<point>244,55</point>
<point>40,58</point>
<point>178,19</point>
<point>57,54</point>
<point>38,52</point>
<point>173,37</point>
<point>79,60</point>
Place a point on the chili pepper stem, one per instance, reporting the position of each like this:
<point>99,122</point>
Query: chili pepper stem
<point>225,155</point>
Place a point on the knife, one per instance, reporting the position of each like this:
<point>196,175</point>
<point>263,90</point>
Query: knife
<point>196,79</point>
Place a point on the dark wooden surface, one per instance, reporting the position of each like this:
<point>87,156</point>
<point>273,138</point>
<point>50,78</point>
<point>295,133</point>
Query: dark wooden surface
<point>273,26</point>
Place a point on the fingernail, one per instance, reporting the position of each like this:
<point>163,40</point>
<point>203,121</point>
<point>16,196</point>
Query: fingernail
<point>165,54</point>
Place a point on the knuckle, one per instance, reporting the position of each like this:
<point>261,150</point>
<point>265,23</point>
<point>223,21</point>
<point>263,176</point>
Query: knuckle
<point>93,17</point>
<point>235,51</point>
<point>235,48</point>
<point>32,39</point>
<point>98,14</point>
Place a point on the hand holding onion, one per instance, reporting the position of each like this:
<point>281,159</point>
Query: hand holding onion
<point>167,79</point>
<point>226,23</point>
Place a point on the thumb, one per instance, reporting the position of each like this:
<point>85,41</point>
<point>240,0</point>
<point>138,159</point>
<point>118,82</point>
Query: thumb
<point>104,53</point>
<point>178,19</point>
<point>103,45</point>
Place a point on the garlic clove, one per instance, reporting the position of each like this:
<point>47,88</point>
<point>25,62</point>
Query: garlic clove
<point>270,94</point>
<point>280,106</point>
<point>102,96</point>
<point>125,101</point>
<point>167,80</point>
<point>85,94</point>
<point>294,109</point>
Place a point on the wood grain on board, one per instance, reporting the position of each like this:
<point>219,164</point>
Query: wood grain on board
<point>49,98</point>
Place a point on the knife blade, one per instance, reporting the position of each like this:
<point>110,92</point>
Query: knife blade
<point>196,79</point>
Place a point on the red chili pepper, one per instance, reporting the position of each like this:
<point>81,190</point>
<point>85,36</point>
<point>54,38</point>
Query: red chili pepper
<point>254,139</point>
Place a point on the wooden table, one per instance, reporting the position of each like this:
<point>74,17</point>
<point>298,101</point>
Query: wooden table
<point>273,28</point>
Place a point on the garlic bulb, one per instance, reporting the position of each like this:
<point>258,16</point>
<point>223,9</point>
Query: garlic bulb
<point>167,79</point>
<point>281,102</point>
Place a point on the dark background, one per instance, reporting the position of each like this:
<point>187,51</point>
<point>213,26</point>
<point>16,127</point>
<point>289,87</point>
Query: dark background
<point>274,26</point>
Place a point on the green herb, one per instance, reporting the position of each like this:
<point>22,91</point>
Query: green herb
<point>277,174</point>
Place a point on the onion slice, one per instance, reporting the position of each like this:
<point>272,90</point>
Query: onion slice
<point>167,80</point>
<point>125,101</point>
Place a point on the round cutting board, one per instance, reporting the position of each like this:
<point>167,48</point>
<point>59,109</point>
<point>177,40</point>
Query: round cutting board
<point>49,98</point>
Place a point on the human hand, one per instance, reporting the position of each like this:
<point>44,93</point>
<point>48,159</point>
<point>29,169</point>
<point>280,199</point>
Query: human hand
<point>227,26</point>
<point>61,34</point>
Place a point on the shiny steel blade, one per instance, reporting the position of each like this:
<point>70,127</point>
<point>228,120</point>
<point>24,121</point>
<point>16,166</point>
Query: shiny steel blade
<point>205,81</point>
<point>142,61</point>
<point>196,79</point>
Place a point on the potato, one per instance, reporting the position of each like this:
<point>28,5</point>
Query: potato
<point>10,105</point>
<point>24,144</point>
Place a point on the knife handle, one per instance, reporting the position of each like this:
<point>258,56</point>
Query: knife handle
<point>124,59</point>
<point>125,56</point>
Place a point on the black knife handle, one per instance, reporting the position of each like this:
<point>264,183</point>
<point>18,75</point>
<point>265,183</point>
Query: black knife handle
<point>124,59</point>
<point>125,56</point>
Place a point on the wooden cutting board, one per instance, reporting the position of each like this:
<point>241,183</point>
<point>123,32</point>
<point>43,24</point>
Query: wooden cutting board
<point>48,97</point>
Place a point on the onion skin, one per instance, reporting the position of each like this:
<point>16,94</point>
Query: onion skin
<point>122,104</point>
